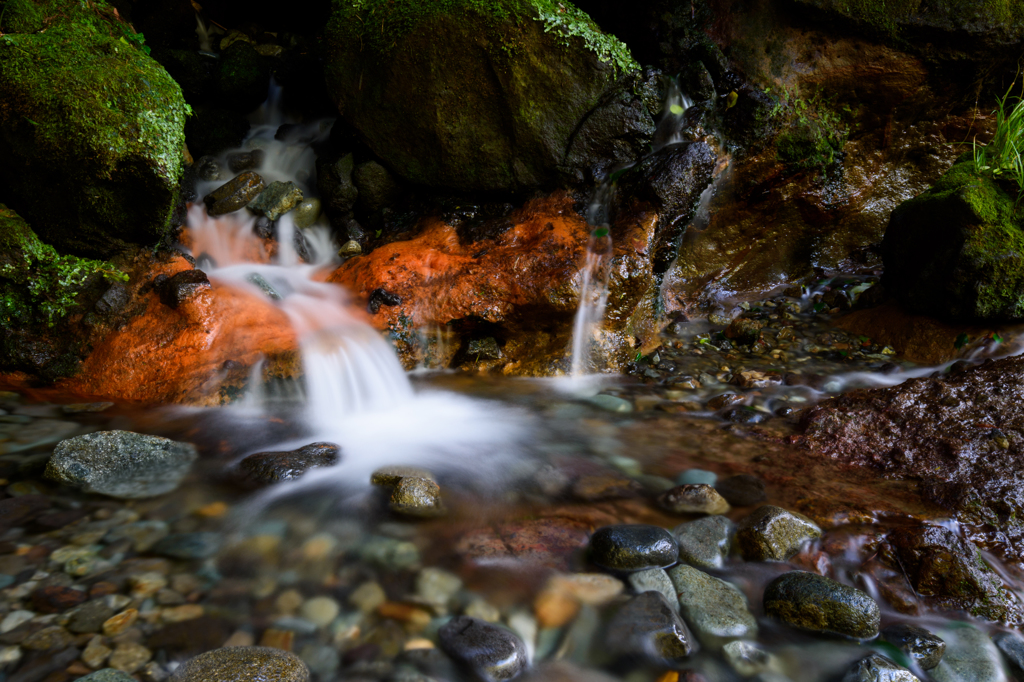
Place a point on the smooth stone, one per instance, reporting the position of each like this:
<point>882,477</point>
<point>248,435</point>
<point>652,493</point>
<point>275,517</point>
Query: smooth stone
<point>236,193</point>
<point>181,286</point>
<point>705,543</point>
<point>243,664</point>
<point>277,199</point>
<point>716,610</point>
<point>696,477</point>
<point>107,675</point>
<point>878,668</point>
<point>121,463</point>
<point>306,213</point>
<point>267,468</point>
<point>436,586</point>
<point>188,545</point>
<point>89,617</point>
<point>647,627</point>
<point>655,580</point>
<point>419,497</point>
<point>14,619</point>
<point>970,657</point>
<point>918,644</point>
<point>742,490</point>
<point>243,161</point>
<point>320,610</point>
<point>350,248</point>
<point>1010,643</point>
<point>264,285</point>
<point>208,168</point>
<point>389,476</point>
<point>611,403</point>
<point>773,534</point>
<point>633,547</point>
<point>492,652</point>
<point>694,498</point>
<point>749,659</point>
<point>813,602</point>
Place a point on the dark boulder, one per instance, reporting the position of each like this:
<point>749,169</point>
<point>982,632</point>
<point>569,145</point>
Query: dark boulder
<point>266,468</point>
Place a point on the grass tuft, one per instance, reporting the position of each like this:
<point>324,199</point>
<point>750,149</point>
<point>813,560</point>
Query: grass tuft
<point>1001,158</point>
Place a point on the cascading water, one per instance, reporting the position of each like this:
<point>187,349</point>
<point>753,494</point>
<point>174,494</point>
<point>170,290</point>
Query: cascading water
<point>354,390</point>
<point>594,288</point>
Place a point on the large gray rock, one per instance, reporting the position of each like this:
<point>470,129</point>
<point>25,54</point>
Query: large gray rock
<point>121,463</point>
<point>716,610</point>
<point>243,664</point>
<point>970,657</point>
<point>484,96</point>
<point>813,602</point>
<point>705,543</point>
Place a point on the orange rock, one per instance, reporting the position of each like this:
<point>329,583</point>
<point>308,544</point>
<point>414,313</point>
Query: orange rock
<point>555,608</point>
<point>278,639</point>
<point>115,625</point>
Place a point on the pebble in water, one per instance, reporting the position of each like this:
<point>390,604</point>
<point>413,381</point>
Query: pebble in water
<point>696,477</point>
<point>749,659</point>
<point>917,643</point>
<point>189,545</point>
<point>697,498</point>
<point>716,610</point>
<point>970,657</point>
<point>631,547</point>
<point>234,194</point>
<point>277,199</point>
<point>878,668</point>
<point>419,497</point>
<point>813,602</point>
<point>773,534</point>
<point>243,664</point>
<point>655,580</point>
<point>492,652</point>
<point>705,543</point>
<point>1010,643</point>
<point>647,627</point>
<point>266,468</point>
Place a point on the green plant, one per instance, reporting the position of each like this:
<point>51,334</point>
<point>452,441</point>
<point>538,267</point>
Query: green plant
<point>1001,158</point>
<point>815,135</point>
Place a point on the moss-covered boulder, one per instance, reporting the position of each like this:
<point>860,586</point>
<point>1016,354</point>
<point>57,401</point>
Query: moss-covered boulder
<point>38,289</point>
<point>482,94</point>
<point>91,128</point>
<point>957,250</point>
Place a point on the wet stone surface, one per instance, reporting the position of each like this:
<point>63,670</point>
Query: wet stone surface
<point>774,534</point>
<point>918,644</point>
<point>633,547</point>
<point>812,602</point>
<point>491,652</point>
<point>267,468</point>
<point>647,628</point>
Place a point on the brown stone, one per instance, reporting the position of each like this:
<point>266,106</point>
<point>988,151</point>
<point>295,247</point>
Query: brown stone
<point>55,599</point>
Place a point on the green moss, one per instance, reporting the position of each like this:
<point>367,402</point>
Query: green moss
<point>889,16</point>
<point>82,102</point>
<point>814,137</point>
<point>379,24</point>
<point>38,285</point>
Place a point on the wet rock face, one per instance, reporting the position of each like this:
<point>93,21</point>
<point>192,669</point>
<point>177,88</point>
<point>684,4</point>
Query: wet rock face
<point>878,668</point>
<point>819,604</point>
<point>491,652</point>
<point>647,628</point>
<point>918,644</point>
<point>121,463</point>
<point>960,435</point>
<point>716,610</point>
<point>502,118</point>
<point>633,547</point>
<point>705,543</point>
<point>266,468</point>
<point>178,288</point>
<point>956,250</point>
<point>234,194</point>
<point>243,664</point>
<point>773,534</point>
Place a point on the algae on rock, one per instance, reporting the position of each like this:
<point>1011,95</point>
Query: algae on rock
<point>91,128</point>
<point>957,250</point>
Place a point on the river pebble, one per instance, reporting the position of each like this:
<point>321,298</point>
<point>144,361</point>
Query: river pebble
<point>656,580</point>
<point>813,602</point>
<point>706,542</point>
<point>107,675</point>
<point>774,534</point>
<point>917,643</point>
<point>492,652</point>
<point>188,545</point>
<point>697,498</point>
<point>633,547</point>
<point>750,659</point>
<point>716,610</point>
<point>320,610</point>
<point>970,657</point>
<point>878,668</point>
<point>418,497</point>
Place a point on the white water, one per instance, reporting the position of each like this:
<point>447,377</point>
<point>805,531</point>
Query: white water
<point>594,288</point>
<point>354,392</point>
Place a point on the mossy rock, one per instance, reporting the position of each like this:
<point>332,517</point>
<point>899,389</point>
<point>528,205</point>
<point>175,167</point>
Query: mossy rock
<point>957,251</point>
<point>474,95</point>
<point>91,128</point>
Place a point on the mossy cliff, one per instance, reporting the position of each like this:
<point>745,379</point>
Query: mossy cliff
<point>91,128</point>
<point>957,251</point>
<point>471,94</point>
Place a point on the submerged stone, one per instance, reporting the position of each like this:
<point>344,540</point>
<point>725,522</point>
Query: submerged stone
<point>716,610</point>
<point>813,602</point>
<point>633,547</point>
<point>705,543</point>
<point>655,580</point>
<point>693,499</point>
<point>646,627</point>
<point>243,664</point>
<point>121,463</point>
<point>490,651</point>
<point>742,490</point>
<point>917,643</point>
<point>970,657</point>
<point>306,213</point>
<point>878,668</point>
<point>267,468</point>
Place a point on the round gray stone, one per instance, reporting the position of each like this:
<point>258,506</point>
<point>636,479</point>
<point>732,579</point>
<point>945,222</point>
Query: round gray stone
<point>705,543</point>
<point>492,652</point>
<point>716,610</point>
<point>121,463</point>
<point>771,533</point>
<point>813,602</point>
